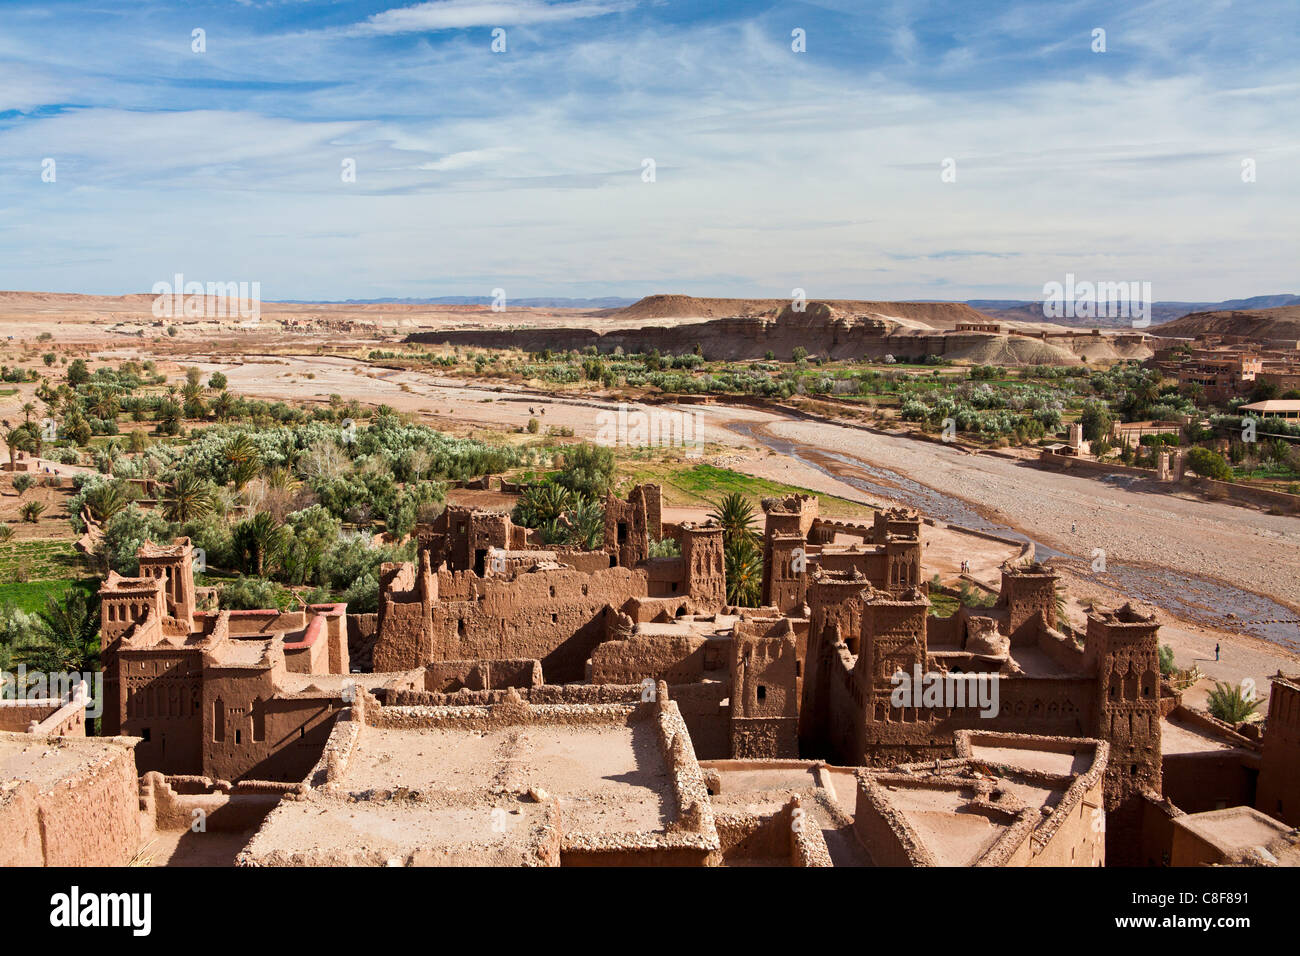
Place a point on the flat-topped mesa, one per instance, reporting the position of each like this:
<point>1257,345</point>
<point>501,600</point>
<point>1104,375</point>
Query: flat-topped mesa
<point>749,329</point>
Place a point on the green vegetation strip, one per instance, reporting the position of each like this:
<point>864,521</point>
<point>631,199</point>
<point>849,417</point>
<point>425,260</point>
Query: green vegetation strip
<point>38,560</point>
<point>704,484</point>
<point>31,596</point>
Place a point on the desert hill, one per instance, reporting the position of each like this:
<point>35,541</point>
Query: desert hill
<point>756,328</point>
<point>1017,310</point>
<point>1259,325</point>
<point>933,315</point>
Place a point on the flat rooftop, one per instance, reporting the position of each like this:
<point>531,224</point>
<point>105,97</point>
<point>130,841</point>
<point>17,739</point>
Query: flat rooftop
<point>503,784</point>
<point>48,761</point>
<point>1064,762</point>
<point>1002,789</point>
<point>1180,737</point>
<point>954,832</point>
<point>1236,832</point>
<point>612,777</point>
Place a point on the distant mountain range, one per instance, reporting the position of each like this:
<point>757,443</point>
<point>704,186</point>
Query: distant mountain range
<point>605,302</point>
<point>1022,311</point>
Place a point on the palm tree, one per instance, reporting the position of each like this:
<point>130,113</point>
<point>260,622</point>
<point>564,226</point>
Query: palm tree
<point>736,515</point>
<point>106,499</point>
<point>586,524</point>
<point>103,404</point>
<point>168,416</point>
<point>260,540</point>
<point>282,478</point>
<point>193,396</point>
<point>243,472</point>
<point>223,405</point>
<point>744,572</point>
<point>553,532</point>
<point>1232,705</point>
<point>543,503</point>
<point>71,638</point>
<point>18,439</point>
<point>244,458</point>
<point>29,409</point>
<point>32,511</point>
<point>191,498</point>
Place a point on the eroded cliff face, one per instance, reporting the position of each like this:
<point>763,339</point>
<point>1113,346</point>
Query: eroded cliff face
<point>831,330</point>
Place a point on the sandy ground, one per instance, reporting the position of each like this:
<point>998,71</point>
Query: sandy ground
<point>184,848</point>
<point>53,521</point>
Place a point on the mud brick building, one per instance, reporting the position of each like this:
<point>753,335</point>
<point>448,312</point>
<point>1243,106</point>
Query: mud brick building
<point>673,728</point>
<point>467,597</point>
<point>216,693</point>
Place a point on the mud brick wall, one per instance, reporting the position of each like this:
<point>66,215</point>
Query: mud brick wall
<point>91,818</point>
<point>363,631</point>
<point>557,617</point>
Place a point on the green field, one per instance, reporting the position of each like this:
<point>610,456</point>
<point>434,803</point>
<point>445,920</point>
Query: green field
<point>31,571</point>
<point>705,484</point>
<point>35,560</point>
<point>943,605</point>
<point>31,596</point>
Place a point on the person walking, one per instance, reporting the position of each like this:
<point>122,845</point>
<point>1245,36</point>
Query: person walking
<point>1216,652</point>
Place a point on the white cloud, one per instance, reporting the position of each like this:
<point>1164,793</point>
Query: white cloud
<point>460,14</point>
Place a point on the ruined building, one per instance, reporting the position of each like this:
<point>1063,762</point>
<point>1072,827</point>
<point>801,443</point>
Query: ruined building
<point>468,596</point>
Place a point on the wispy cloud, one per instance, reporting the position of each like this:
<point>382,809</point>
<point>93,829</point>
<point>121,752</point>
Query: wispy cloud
<point>774,169</point>
<point>462,14</point>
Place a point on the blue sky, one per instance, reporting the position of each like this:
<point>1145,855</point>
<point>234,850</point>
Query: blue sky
<point>773,169</point>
